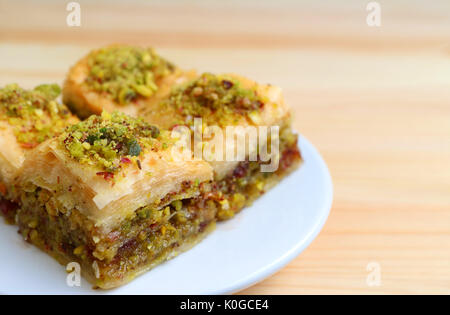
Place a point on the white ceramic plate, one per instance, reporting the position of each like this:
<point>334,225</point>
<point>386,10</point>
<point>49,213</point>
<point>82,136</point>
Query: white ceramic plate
<point>242,251</point>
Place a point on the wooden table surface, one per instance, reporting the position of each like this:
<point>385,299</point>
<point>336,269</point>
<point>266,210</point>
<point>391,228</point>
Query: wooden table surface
<point>375,101</point>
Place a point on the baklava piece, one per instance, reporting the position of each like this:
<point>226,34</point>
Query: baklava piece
<point>122,78</point>
<point>27,118</point>
<point>233,101</point>
<point>108,194</point>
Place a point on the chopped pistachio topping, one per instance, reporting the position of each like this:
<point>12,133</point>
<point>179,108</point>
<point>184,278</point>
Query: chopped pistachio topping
<point>35,114</point>
<point>126,73</point>
<point>110,141</point>
<point>217,99</point>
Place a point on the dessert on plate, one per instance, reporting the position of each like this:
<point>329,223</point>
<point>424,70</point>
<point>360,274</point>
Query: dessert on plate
<point>161,155</point>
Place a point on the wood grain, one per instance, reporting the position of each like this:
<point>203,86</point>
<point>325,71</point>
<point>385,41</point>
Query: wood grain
<point>374,101</point>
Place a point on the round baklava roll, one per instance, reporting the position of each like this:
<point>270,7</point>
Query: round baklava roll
<point>119,77</point>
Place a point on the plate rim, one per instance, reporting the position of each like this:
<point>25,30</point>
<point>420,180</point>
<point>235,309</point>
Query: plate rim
<point>282,261</point>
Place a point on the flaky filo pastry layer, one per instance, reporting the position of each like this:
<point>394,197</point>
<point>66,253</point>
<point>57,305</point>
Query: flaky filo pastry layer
<point>12,154</point>
<point>107,197</point>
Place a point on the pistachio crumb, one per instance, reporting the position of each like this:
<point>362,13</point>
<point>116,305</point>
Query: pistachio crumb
<point>34,114</point>
<point>111,142</point>
<point>126,73</point>
<point>217,99</point>
<point>79,250</point>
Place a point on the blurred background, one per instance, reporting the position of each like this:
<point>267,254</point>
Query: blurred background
<point>375,101</point>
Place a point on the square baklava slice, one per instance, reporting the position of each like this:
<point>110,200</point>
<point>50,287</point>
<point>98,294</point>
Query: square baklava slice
<point>109,195</point>
<point>240,115</point>
<point>27,118</point>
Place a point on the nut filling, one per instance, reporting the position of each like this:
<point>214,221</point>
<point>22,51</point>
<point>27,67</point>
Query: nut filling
<point>151,236</point>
